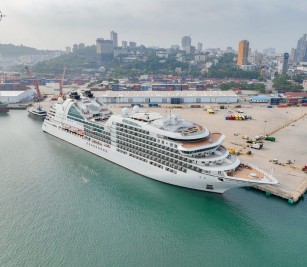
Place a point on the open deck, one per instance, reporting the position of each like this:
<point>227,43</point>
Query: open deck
<point>251,172</point>
<point>192,130</point>
<point>211,139</point>
<point>246,172</point>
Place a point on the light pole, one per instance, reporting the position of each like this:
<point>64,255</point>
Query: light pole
<point>264,127</point>
<point>1,15</point>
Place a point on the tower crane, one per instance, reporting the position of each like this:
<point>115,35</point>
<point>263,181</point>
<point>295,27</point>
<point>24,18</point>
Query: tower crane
<point>36,84</point>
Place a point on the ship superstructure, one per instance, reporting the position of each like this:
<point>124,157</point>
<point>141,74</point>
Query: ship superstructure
<point>166,148</point>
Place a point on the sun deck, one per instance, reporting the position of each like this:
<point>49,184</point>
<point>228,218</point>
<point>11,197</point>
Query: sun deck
<point>211,139</point>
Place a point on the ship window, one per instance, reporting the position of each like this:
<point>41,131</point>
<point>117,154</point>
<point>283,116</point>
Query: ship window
<point>74,113</point>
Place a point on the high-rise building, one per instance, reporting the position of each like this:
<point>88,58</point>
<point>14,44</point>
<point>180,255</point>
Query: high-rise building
<point>269,51</point>
<point>68,49</point>
<point>104,50</point>
<point>175,47</point>
<point>191,49</point>
<point>124,44</point>
<point>132,44</point>
<point>301,50</point>
<point>285,64</point>
<point>186,42</point>
<point>292,54</point>
<point>113,37</point>
<point>199,47</point>
<point>243,53</point>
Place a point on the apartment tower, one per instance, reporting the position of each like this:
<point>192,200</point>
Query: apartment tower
<point>243,53</point>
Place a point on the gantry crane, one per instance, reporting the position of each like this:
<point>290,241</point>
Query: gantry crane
<point>39,96</point>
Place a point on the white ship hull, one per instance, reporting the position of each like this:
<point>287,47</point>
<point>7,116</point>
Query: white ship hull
<point>189,179</point>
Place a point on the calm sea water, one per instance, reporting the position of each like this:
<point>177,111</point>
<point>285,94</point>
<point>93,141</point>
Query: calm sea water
<point>62,206</point>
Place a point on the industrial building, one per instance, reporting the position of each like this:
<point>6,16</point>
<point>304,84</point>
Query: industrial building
<point>259,99</point>
<point>16,96</point>
<point>168,97</point>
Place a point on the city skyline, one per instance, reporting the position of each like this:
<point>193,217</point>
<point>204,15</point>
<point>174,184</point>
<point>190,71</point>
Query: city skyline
<point>57,24</point>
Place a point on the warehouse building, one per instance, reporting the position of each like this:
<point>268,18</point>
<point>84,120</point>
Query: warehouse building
<point>260,99</point>
<point>168,97</point>
<point>16,96</point>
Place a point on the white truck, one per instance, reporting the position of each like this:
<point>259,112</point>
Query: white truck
<point>257,145</point>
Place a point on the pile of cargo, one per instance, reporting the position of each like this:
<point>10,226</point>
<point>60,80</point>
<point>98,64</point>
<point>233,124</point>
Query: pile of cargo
<point>238,117</point>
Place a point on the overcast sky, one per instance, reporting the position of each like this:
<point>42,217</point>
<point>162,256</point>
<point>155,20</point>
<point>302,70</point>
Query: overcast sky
<point>55,24</point>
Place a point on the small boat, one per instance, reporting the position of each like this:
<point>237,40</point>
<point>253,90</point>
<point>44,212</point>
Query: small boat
<point>37,112</point>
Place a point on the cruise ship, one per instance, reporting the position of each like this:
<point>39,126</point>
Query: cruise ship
<point>166,148</point>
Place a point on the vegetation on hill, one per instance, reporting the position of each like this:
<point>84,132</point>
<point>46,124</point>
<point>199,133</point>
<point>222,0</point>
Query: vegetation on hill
<point>9,50</point>
<point>75,62</point>
<point>152,65</point>
<point>84,58</point>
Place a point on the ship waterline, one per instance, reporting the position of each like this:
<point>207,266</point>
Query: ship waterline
<point>168,149</point>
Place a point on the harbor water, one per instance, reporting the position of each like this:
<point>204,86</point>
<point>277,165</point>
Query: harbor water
<point>62,206</point>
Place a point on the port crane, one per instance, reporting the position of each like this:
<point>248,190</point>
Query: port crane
<point>61,94</point>
<point>61,84</point>
<point>39,96</point>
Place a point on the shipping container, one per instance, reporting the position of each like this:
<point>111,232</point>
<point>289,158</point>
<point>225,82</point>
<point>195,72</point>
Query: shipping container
<point>274,101</point>
<point>144,87</point>
<point>153,105</point>
<point>175,100</point>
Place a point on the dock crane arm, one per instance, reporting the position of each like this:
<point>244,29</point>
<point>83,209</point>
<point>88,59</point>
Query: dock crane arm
<point>36,83</point>
<point>61,82</point>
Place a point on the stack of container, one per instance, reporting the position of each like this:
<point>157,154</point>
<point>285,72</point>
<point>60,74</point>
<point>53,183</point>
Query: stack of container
<point>304,102</point>
<point>185,87</point>
<point>135,87</point>
<point>177,87</point>
<point>200,87</point>
<point>237,117</point>
<point>274,101</point>
<point>115,87</point>
<point>144,87</point>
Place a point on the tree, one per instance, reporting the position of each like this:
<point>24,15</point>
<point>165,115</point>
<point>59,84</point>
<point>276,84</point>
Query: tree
<point>282,83</point>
